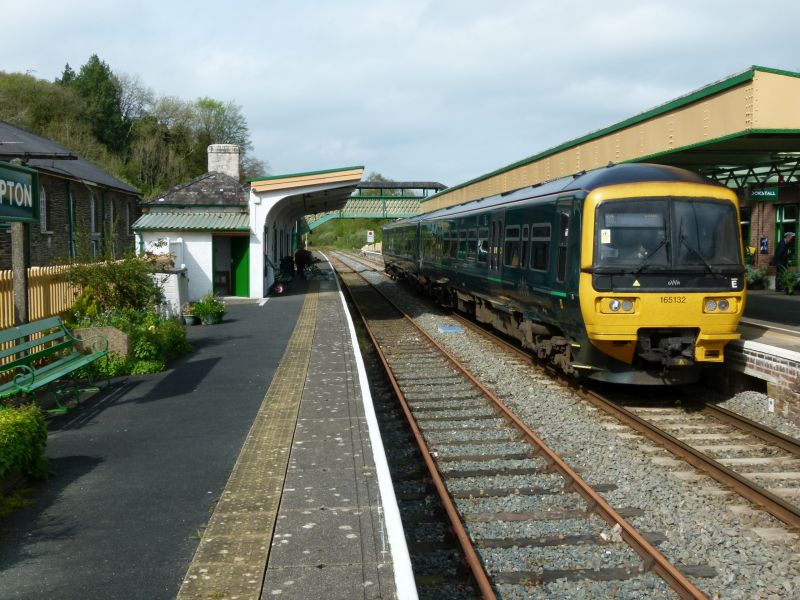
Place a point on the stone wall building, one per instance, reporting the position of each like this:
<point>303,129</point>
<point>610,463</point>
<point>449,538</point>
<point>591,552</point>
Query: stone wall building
<point>84,211</point>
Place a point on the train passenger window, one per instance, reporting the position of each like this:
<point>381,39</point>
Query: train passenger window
<point>524,254</point>
<point>462,244</point>
<point>540,246</point>
<point>483,244</point>
<point>472,244</point>
<point>511,257</point>
<point>563,229</point>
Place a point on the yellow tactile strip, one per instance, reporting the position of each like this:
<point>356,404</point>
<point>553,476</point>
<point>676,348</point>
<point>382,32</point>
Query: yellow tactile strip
<point>232,556</point>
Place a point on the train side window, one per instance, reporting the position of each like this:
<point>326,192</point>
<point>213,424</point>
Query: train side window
<point>472,244</point>
<point>524,253</point>
<point>540,246</point>
<point>511,256</point>
<point>462,244</point>
<point>483,244</point>
<point>563,235</point>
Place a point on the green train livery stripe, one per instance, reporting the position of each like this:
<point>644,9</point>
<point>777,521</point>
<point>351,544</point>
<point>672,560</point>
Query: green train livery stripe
<point>559,294</point>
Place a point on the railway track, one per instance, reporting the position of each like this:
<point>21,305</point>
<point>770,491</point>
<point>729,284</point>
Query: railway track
<point>757,462</point>
<point>480,457</point>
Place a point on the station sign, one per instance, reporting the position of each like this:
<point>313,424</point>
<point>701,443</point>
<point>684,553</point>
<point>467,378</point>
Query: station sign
<point>370,237</point>
<point>767,194</point>
<point>19,194</point>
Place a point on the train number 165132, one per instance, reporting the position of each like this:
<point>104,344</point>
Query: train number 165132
<point>673,299</point>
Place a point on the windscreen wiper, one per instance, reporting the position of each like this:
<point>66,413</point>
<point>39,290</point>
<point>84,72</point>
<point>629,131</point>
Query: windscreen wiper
<point>698,255</point>
<point>647,258</point>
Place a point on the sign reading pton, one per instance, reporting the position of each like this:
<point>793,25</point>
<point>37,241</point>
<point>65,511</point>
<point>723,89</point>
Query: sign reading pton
<point>19,194</point>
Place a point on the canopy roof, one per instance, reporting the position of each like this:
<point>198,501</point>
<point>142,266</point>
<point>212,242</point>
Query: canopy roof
<point>742,130</point>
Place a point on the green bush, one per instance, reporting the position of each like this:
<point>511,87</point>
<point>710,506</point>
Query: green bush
<point>209,308</point>
<point>154,342</point>
<point>115,285</point>
<point>755,277</point>
<point>790,280</point>
<point>23,437</point>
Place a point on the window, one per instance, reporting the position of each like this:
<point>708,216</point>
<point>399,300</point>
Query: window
<point>93,213</point>
<point>511,256</point>
<point>786,217</point>
<point>462,244</point>
<point>483,244</point>
<point>43,210</point>
<point>744,226</point>
<point>524,253</point>
<point>540,246</point>
<point>472,244</point>
<point>656,233</point>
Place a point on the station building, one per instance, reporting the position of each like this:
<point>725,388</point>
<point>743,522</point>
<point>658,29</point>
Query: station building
<point>228,238</point>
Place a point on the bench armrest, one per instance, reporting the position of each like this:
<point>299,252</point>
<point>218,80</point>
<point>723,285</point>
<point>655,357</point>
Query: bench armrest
<point>26,373</point>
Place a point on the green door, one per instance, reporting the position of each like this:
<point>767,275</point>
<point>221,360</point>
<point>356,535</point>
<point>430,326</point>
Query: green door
<point>240,266</point>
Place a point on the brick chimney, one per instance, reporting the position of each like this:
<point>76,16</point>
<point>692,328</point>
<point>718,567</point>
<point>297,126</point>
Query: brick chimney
<point>224,158</point>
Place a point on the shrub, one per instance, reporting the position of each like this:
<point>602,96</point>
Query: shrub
<point>121,284</point>
<point>154,342</point>
<point>23,437</point>
<point>790,280</point>
<point>209,308</point>
<point>755,277</point>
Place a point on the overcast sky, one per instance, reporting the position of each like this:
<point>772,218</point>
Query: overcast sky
<point>435,90</point>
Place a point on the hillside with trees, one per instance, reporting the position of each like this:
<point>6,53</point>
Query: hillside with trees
<point>115,121</point>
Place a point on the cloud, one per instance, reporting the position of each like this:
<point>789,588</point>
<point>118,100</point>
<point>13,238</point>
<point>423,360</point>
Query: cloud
<point>415,89</point>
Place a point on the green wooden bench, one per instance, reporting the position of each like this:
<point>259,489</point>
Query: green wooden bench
<point>36,355</point>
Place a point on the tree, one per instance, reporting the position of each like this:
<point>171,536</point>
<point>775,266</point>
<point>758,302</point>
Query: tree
<point>98,85</point>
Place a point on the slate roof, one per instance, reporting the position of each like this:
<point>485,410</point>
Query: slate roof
<point>47,156</point>
<point>209,189</point>
<point>193,221</point>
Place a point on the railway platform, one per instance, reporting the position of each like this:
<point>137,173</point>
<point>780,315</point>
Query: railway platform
<point>769,348</point>
<point>252,468</point>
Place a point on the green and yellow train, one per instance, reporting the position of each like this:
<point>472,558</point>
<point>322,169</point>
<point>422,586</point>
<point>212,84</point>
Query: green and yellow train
<point>633,273</point>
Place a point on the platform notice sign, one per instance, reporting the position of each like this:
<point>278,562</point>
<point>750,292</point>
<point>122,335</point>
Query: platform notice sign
<point>370,237</point>
<point>19,194</point>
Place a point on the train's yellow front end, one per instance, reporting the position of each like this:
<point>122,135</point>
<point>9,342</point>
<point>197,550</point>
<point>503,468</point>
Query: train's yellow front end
<point>662,283</point>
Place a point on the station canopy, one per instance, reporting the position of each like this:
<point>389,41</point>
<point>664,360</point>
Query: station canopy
<point>311,192</point>
<point>741,131</point>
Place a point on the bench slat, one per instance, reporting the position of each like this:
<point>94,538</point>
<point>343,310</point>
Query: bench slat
<point>21,331</point>
<point>25,346</point>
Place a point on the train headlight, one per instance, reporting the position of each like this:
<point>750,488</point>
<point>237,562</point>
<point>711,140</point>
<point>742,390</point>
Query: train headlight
<point>614,305</point>
<point>627,305</point>
<point>710,305</point>
<point>724,305</point>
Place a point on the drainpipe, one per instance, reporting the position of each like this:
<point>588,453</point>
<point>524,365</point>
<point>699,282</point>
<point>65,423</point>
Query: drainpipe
<point>70,224</point>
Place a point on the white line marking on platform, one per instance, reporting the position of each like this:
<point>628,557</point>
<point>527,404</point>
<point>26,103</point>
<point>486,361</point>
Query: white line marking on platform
<point>263,301</point>
<point>403,573</point>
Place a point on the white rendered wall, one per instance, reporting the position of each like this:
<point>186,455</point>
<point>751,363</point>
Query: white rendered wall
<point>197,257</point>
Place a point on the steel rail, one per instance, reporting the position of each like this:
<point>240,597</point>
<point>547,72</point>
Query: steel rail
<point>651,556</point>
<point>470,556</point>
<point>769,435</point>
<point>774,505</point>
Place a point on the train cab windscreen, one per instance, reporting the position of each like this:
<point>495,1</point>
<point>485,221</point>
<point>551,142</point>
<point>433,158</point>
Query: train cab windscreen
<point>666,235</point>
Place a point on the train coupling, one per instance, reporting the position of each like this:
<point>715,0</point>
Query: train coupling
<point>668,347</point>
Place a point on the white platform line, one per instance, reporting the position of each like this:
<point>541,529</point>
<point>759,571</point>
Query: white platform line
<point>403,573</point>
<point>263,301</point>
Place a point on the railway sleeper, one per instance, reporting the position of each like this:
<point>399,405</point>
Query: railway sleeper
<point>606,574</point>
<point>654,538</point>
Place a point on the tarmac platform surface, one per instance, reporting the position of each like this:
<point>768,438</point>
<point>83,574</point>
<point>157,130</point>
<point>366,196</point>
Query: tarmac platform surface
<point>141,470</point>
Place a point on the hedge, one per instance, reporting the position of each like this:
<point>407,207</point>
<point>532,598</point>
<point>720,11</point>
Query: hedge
<point>23,437</point>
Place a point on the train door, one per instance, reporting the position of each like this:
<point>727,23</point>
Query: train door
<point>496,228</point>
<point>567,238</point>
